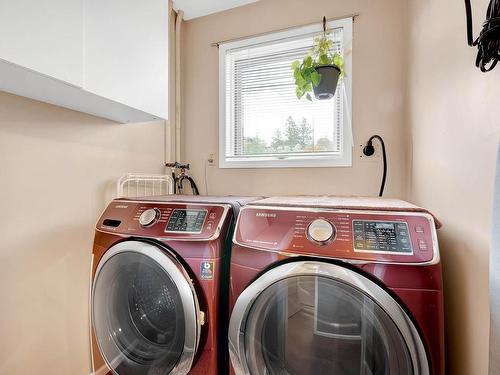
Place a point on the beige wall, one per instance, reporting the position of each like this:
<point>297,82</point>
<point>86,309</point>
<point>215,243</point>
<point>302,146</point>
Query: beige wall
<point>378,95</point>
<point>454,116</point>
<point>57,171</point>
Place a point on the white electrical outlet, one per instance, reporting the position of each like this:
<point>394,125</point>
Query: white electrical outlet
<point>211,160</point>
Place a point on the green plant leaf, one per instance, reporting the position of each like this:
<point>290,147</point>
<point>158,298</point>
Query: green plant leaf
<point>307,75</point>
<point>308,62</point>
<point>315,78</point>
<point>296,65</point>
<point>296,74</point>
<point>308,97</point>
<point>299,93</point>
<point>300,81</point>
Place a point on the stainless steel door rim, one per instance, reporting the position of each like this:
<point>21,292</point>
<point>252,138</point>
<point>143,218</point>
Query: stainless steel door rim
<point>167,261</point>
<point>238,321</point>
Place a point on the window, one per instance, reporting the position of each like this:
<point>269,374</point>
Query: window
<point>262,123</point>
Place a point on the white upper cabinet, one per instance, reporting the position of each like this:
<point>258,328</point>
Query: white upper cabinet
<point>108,58</point>
<point>126,52</point>
<point>45,36</point>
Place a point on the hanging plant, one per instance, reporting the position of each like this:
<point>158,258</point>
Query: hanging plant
<point>320,70</point>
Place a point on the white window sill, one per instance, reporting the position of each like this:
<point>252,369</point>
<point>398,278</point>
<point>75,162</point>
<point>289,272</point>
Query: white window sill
<point>288,162</point>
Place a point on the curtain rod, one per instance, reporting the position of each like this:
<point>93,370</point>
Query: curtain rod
<point>217,44</point>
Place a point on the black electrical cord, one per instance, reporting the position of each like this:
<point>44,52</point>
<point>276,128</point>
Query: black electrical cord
<point>488,42</point>
<point>369,150</point>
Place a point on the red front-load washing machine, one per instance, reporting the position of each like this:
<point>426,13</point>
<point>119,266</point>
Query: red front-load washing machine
<point>335,286</point>
<point>158,298</point>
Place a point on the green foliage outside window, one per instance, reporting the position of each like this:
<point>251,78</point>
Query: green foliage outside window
<point>295,137</point>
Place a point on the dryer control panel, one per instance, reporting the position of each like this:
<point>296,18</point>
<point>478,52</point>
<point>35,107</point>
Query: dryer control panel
<point>163,219</point>
<point>401,237</point>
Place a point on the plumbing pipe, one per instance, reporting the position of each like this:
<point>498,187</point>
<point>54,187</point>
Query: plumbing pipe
<point>167,129</point>
<point>178,22</point>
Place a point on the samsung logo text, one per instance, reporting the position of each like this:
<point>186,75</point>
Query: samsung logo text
<point>265,214</point>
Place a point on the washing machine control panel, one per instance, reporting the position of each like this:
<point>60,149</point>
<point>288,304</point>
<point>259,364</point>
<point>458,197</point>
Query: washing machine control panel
<point>164,219</point>
<point>400,237</point>
<point>389,236</point>
<point>186,221</point>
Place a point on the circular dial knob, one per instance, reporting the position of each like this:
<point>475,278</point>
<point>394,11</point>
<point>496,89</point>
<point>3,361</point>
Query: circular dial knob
<point>320,231</point>
<point>149,217</point>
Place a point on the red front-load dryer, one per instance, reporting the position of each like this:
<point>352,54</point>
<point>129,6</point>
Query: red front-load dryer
<point>158,298</point>
<point>335,286</point>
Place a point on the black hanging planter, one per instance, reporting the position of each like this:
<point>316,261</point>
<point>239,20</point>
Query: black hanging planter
<point>328,84</point>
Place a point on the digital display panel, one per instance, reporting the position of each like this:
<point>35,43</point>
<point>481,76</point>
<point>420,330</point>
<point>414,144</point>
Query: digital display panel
<point>188,221</point>
<point>381,236</point>
<point>389,226</point>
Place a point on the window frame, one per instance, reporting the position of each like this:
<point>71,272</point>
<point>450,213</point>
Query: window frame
<point>291,161</point>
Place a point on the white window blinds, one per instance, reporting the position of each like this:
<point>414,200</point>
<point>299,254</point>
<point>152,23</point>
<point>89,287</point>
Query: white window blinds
<point>263,120</point>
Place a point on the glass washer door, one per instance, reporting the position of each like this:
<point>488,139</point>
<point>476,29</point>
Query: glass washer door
<point>320,318</point>
<point>144,311</point>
